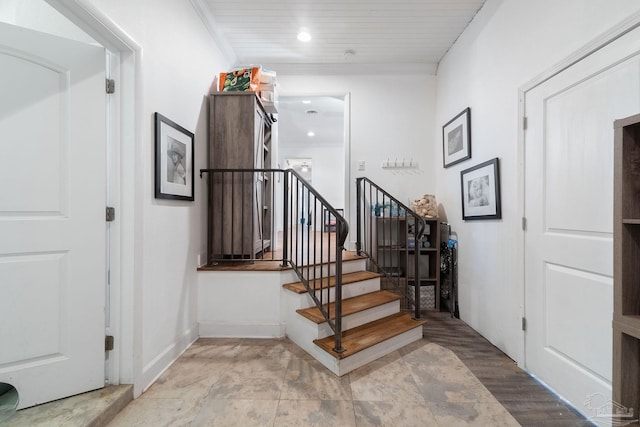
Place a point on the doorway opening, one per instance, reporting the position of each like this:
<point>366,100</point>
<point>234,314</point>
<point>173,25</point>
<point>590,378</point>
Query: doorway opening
<point>311,140</point>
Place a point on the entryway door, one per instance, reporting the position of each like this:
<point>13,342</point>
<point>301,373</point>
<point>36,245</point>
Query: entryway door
<point>52,215</point>
<point>569,212</point>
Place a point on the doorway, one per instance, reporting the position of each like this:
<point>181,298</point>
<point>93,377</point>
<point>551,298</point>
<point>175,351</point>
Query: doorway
<point>569,207</point>
<point>124,179</point>
<point>313,128</point>
<point>53,258</point>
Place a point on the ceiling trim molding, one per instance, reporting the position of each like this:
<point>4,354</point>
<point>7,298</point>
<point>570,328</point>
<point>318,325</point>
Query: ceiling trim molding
<point>351,68</point>
<point>210,24</point>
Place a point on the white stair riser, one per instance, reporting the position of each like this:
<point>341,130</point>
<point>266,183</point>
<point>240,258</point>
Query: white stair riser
<point>344,366</point>
<point>353,320</point>
<point>348,290</point>
<point>302,331</point>
<point>361,358</point>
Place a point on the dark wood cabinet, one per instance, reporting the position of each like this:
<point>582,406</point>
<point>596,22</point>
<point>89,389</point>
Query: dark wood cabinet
<point>240,133</point>
<point>396,252</point>
<point>626,265</point>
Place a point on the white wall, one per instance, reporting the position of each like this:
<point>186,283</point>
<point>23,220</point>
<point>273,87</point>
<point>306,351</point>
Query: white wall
<point>179,61</point>
<point>388,120</point>
<point>508,44</point>
<point>246,304</point>
<point>40,16</point>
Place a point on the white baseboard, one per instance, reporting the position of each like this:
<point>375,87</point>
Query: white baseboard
<point>237,330</point>
<point>161,362</point>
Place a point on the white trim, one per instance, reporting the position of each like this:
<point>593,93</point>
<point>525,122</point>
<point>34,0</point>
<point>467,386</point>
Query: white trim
<point>209,329</point>
<point>202,10</point>
<point>327,69</point>
<point>627,25</point>
<point>112,312</point>
<point>346,143</point>
<point>165,359</point>
<point>348,183</point>
<point>519,267</point>
<point>604,39</point>
<point>126,248</point>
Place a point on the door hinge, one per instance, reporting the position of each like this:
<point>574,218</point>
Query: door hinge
<point>111,86</point>
<point>108,342</point>
<point>111,214</point>
<point>524,223</point>
<point>524,122</point>
<point>524,324</point>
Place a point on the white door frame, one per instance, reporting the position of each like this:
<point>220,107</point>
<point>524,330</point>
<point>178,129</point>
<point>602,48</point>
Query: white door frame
<point>629,24</point>
<point>346,96</point>
<point>125,188</point>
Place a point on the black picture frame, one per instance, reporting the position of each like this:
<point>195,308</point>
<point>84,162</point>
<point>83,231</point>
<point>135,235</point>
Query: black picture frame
<point>456,139</point>
<point>174,160</point>
<point>480,191</point>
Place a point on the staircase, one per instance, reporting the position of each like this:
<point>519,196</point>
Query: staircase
<point>337,312</point>
<point>372,324</point>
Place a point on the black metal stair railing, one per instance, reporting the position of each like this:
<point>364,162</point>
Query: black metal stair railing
<point>316,239</point>
<point>389,234</point>
<point>241,215</point>
<point>243,209</point>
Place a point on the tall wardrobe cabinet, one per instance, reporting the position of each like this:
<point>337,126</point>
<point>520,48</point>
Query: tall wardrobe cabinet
<point>239,218</point>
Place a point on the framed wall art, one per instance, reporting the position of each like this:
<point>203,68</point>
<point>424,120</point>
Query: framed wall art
<point>481,191</point>
<point>456,139</point>
<point>174,160</point>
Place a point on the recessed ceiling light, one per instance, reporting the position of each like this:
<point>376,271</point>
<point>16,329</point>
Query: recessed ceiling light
<point>311,133</point>
<point>303,35</point>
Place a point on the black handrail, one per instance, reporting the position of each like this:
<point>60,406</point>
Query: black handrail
<point>384,238</point>
<point>307,197</point>
<point>301,236</point>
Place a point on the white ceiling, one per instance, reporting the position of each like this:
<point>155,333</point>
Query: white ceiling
<point>411,34</point>
<point>323,115</point>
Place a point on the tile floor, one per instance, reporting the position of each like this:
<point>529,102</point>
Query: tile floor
<point>241,382</point>
<point>438,381</point>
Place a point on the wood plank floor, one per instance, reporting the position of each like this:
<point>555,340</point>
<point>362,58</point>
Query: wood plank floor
<point>530,403</point>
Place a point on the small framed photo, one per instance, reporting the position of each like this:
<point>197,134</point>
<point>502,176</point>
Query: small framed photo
<point>481,191</point>
<point>174,160</point>
<point>456,139</point>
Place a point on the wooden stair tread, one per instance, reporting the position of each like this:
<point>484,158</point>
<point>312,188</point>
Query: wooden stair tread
<point>365,336</point>
<point>350,305</point>
<point>330,281</point>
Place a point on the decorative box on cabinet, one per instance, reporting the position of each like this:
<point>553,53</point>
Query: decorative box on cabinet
<point>396,252</point>
<point>626,273</point>
<point>239,209</point>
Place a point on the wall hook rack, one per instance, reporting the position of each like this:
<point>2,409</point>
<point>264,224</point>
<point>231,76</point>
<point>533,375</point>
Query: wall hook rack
<point>399,164</point>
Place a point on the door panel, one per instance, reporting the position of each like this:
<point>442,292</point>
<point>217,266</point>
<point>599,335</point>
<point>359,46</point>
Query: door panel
<point>52,219</point>
<point>562,307</point>
<point>569,210</point>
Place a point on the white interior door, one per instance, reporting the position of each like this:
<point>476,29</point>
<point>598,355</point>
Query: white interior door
<point>52,215</point>
<point>569,210</point>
